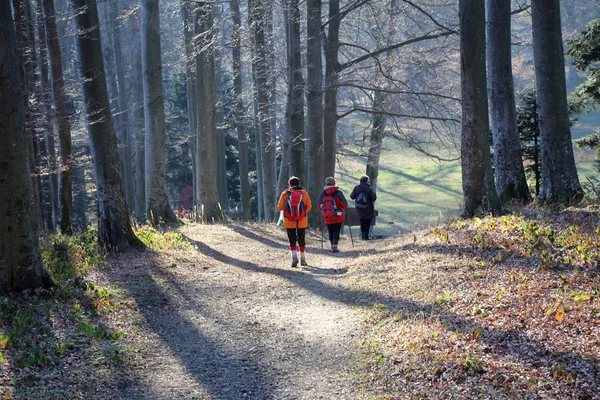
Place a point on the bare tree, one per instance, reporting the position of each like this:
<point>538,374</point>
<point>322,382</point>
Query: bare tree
<point>65,196</point>
<point>242,134</point>
<point>314,100</point>
<point>560,183</point>
<point>114,228</point>
<point>206,146</point>
<point>21,266</point>
<point>508,162</point>
<point>157,203</point>
<point>478,192</point>
<point>258,14</point>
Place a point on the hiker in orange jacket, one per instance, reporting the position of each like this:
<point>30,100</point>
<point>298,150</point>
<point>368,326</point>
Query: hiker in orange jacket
<point>295,204</point>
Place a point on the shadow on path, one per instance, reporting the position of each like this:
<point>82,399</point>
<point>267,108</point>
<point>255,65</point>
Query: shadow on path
<point>223,374</point>
<point>510,343</point>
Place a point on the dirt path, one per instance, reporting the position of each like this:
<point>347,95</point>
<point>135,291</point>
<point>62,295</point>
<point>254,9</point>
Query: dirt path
<point>233,320</point>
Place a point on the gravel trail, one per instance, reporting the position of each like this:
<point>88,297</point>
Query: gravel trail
<point>233,320</point>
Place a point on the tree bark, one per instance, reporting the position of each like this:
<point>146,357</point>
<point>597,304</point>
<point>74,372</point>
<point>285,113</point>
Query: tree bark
<point>314,100</point>
<point>114,228</point>
<point>47,144</point>
<point>478,193</point>
<point>21,266</point>
<point>258,14</point>
<point>206,148</point>
<point>560,183</point>
<point>376,139</point>
<point>242,134</point>
<point>138,124</point>
<point>192,95</point>
<point>332,69</point>
<point>123,133</point>
<point>295,99</point>
<point>65,177</point>
<point>508,161</point>
<point>158,210</point>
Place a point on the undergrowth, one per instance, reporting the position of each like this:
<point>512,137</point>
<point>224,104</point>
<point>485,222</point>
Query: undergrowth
<point>157,240</point>
<point>507,307</point>
<point>42,332</point>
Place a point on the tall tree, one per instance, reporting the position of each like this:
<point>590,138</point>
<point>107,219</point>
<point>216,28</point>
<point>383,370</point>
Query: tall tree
<point>114,228</point>
<point>123,135</point>
<point>258,10</point>
<point>295,94</point>
<point>157,203</point>
<point>479,193</point>
<point>138,122</point>
<point>47,145</point>
<point>332,70</point>
<point>510,175</point>
<point>560,183</point>
<point>242,134</point>
<point>314,100</point>
<point>21,266</point>
<point>206,146</point>
<point>65,195</point>
<point>28,69</point>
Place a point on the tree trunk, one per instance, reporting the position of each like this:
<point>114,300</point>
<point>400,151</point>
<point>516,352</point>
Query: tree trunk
<point>138,124</point>
<point>239,109</point>
<point>221,132</point>
<point>122,108</point>
<point>47,144</point>
<point>21,266</point>
<point>560,183</point>
<point>65,177</point>
<point>314,100</point>
<point>332,69</point>
<point>27,68</point>
<point>479,196</point>
<point>157,203</point>
<point>508,162</point>
<point>114,229</point>
<point>192,95</point>
<point>295,99</point>
<point>376,139</point>
<point>206,162</point>
<point>258,14</point>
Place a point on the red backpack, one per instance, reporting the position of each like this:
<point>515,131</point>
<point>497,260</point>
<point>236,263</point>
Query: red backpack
<point>294,209</point>
<point>328,207</point>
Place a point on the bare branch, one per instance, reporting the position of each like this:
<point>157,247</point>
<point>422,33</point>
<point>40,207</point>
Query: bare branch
<point>371,111</point>
<point>398,91</point>
<point>394,46</point>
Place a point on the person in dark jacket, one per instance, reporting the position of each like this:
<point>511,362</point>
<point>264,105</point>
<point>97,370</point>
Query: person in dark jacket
<point>364,197</point>
<point>332,203</point>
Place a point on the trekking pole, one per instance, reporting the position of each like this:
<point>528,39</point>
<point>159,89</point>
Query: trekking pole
<point>322,238</point>
<point>351,238</point>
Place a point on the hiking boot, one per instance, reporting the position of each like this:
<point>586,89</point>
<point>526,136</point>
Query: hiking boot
<point>303,262</point>
<point>294,261</point>
<point>334,248</point>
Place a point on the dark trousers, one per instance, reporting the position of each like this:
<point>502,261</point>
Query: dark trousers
<point>334,233</point>
<point>297,235</point>
<point>365,228</point>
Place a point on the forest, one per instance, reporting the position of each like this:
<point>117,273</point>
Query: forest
<point>149,127</point>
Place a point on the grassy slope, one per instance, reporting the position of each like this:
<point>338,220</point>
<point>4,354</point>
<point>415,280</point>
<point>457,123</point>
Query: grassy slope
<point>415,190</point>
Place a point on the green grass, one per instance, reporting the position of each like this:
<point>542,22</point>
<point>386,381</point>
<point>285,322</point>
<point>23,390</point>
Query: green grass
<point>413,190</point>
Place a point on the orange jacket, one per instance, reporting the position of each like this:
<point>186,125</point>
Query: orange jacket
<point>303,223</point>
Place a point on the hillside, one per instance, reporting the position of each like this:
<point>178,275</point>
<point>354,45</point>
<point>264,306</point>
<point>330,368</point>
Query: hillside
<point>500,307</point>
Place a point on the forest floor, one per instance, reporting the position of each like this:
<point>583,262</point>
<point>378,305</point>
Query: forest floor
<point>503,307</point>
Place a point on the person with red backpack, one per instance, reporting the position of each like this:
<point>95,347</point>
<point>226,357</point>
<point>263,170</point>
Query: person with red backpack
<point>295,204</point>
<point>332,203</point>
